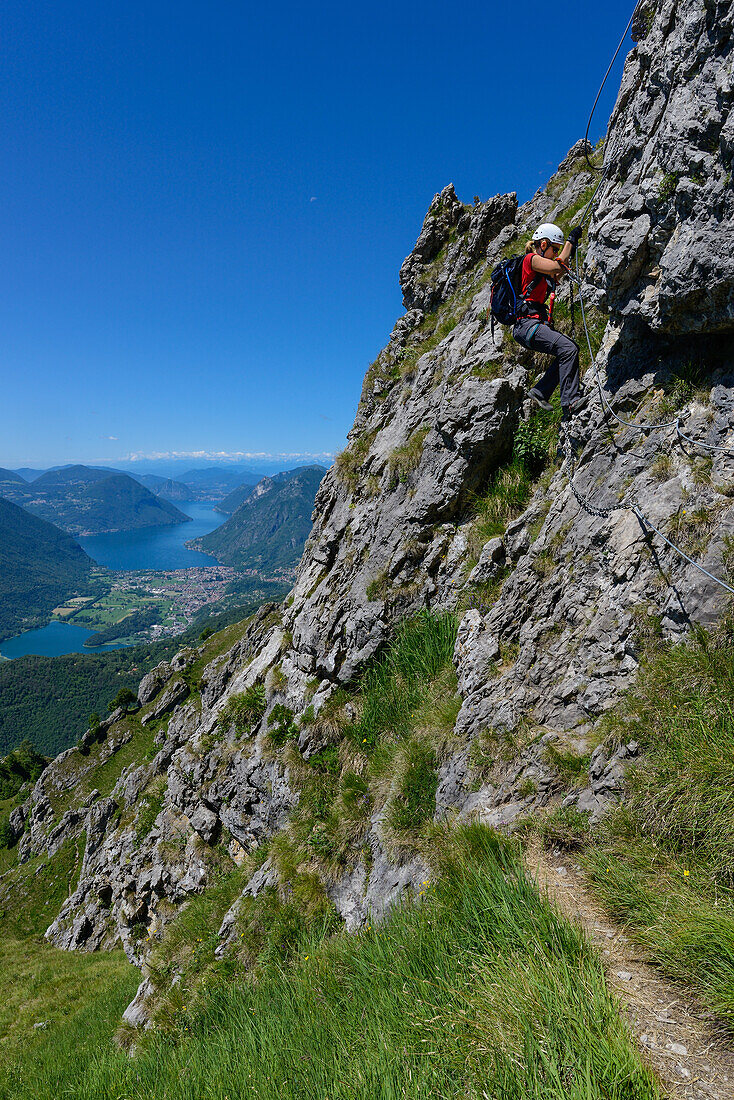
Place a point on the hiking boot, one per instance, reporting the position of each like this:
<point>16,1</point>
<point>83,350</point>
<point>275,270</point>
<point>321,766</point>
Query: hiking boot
<point>537,397</point>
<point>576,406</point>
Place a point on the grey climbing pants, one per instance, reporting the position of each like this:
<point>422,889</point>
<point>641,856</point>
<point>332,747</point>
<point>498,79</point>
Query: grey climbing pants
<point>565,365</point>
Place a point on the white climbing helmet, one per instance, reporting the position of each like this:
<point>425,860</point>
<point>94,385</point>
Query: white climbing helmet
<point>551,232</point>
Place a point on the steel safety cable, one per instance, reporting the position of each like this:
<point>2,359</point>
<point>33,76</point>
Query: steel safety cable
<point>593,167</point>
<point>584,502</point>
<point>604,513</point>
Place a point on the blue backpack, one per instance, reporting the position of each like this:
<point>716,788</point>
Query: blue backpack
<point>507,298</point>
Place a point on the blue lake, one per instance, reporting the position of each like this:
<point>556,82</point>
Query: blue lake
<point>159,548</point>
<point>52,640</point>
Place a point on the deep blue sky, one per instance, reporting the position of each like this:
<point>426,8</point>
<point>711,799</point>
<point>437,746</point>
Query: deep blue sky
<point>204,207</point>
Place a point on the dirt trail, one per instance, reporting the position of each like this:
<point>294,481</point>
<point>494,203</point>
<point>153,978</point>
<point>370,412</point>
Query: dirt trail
<point>674,1031</point>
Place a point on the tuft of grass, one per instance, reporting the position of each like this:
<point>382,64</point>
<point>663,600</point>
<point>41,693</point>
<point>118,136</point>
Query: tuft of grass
<point>701,469</point>
<point>149,806</point>
<point>378,587</point>
<point>692,530</point>
<point>349,462</point>
<point>244,710</point>
<point>682,713</point>
<point>572,767</point>
<point>405,460</point>
<point>482,982</point>
<point>512,485</point>
<point>488,372</point>
<point>379,748</point>
<point>686,383</point>
<point>564,827</point>
<point>662,468</point>
<point>413,801</point>
<point>393,688</point>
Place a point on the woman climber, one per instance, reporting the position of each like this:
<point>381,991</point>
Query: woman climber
<point>544,264</point>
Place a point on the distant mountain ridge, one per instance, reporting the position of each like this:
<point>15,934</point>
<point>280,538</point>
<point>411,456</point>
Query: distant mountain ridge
<point>215,482</point>
<point>40,566</point>
<point>10,475</point>
<point>167,487</point>
<point>268,530</point>
<point>244,492</point>
<point>84,500</point>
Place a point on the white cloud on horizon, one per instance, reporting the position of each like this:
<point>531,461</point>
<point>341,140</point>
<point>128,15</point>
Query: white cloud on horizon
<point>224,456</point>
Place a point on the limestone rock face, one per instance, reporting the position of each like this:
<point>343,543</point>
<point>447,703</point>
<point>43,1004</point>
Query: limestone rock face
<point>661,235</point>
<point>453,240</point>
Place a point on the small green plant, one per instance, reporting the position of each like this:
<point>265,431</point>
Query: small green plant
<point>668,185</point>
<point>527,787</point>
<point>282,726</point>
<point>414,800</point>
<point>405,460</point>
<point>378,587</point>
<point>530,447</point>
<point>244,710</point>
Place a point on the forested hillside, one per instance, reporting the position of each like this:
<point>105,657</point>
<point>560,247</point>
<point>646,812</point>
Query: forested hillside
<point>48,700</point>
<point>83,500</point>
<point>40,566</point>
<point>268,529</point>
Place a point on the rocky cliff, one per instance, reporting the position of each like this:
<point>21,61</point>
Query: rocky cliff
<point>451,496</point>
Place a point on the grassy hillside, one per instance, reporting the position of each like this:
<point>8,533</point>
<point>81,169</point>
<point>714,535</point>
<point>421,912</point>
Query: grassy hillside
<point>477,988</point>
<point>480,985</point>
<point>268,531</point>
<point>39,567</point>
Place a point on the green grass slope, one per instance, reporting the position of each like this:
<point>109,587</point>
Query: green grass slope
<point>477,988</point>
<point>481,989</point>
<point>39,567</point>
